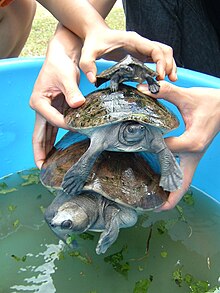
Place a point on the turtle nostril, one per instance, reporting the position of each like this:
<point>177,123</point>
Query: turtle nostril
<point>52,225</point>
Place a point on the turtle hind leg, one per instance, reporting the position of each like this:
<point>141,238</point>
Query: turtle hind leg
<point>153,85</point>
<point>115,218</point>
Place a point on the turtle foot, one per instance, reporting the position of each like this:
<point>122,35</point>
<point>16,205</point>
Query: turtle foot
<point>114,86</point>
<point>172,181</point>
<point>73,183</point>
<point>154,88</point>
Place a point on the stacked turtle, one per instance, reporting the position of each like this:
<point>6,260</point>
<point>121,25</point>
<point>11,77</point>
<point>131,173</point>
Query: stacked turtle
<point>104,170</point>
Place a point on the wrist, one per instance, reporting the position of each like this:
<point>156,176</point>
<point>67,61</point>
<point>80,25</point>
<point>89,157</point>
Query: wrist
<point>65,40</point>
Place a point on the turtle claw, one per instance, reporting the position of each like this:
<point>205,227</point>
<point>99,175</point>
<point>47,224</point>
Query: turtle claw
<point>72,183</point>
<point>154,88</point>
<point>113,86</point>
<point>153,85</point>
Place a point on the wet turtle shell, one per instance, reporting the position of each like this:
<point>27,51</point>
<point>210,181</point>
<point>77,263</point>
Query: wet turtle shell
<point>128,69</point>
<point>125,178</point>
<point>104,107</point>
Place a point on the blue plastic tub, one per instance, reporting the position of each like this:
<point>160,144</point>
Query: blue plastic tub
<point>17,119</point>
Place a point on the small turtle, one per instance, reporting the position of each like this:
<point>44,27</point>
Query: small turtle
<point>120,186</point>
<point>123,121</point>
<point>128,69</point>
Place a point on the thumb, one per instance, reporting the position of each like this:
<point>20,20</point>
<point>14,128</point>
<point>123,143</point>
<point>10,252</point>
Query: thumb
<point>178,144</point>
<point>73,95</point>
<point>188,163</point>
<point>168,91</point>
<point>87,63</point>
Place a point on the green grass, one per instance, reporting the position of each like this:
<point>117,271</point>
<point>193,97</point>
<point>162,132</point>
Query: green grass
<point>44,26</point>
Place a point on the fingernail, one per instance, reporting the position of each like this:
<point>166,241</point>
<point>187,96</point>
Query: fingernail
<point>91,77</point>
<point>77,101</point>
<point>143,88</point>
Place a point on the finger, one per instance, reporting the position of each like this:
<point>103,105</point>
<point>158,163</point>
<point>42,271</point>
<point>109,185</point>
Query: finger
<point>87,63</point>
<point>173,74</point>
<point>43,139</point>
<point>43,106</point>
<point>188,164</point>
<point>169,63</point>
<point>168,92</point>
<point>73,95</point>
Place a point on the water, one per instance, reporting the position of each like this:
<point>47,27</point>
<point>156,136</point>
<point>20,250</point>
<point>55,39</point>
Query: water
<point>160,248</point>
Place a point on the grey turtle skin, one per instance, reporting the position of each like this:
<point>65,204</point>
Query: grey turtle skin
<point>89,212</point>
<point>122,121</point>
<point>128,69</point>
<point>120,186</point>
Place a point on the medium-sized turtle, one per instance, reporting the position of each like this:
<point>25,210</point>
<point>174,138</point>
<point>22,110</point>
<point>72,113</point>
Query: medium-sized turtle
<point>120,186</point>
<point>128,69</point>
<point>122,121</point>
<point>89,211</point>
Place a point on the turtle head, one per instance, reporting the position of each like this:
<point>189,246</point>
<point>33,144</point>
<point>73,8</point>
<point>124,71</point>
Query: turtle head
<point>70,218</point>
<point>131,133</point>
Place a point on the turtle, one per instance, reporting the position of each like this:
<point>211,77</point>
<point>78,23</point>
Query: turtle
<point>128,69</point>
<point>120,187</point>
<point>122,121</point>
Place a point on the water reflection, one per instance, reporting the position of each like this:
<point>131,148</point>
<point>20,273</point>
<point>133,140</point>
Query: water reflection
<point>41,280</point>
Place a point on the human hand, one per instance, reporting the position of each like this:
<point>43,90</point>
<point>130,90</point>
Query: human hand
<point>200,109</point>
<point>57,79</point>
<point>98,44</point>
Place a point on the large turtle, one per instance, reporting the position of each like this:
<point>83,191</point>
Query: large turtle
<point>128,121</point>
<point>128,69</point>
<point>120,186</point>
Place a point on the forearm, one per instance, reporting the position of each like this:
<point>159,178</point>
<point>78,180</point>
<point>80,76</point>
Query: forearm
<point>78,16</point>
<point>67,41</point>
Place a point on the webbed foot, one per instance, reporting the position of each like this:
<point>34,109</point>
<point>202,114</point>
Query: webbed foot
<point>172,180</point>
<point>153,85</point>
<point>74,180</point>
<point>115,218</point>
<point>114,85</point>
<point>154,88</point>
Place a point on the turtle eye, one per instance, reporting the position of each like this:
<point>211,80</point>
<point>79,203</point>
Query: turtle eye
<point>129,69</point>
<point>131,129</point>
<point>66,224</point>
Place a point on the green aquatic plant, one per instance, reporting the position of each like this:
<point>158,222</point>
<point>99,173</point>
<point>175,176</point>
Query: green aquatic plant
<point>177,277</point>
<point>85,259</point>
<point>189,199</point>
<point>194,285</point>
<point>16,223</point>
<point>30,179</point>
<point>12,208</point>
<point>86,236</point>
<point>142,285</point>
<point>164,254</point>
<point>4,188</point>
<point>17,258</point>
<point>116,260</point>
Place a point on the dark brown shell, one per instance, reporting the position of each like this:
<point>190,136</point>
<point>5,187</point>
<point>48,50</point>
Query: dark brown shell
<point>104,107</point>
<point>125,178</point>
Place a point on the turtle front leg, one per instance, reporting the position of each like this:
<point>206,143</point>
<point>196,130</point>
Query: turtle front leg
<point>124,73</point>
<point>171,174</point>
<point>154,86</point>
<point>76,176</point>
<point>115,218</point>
